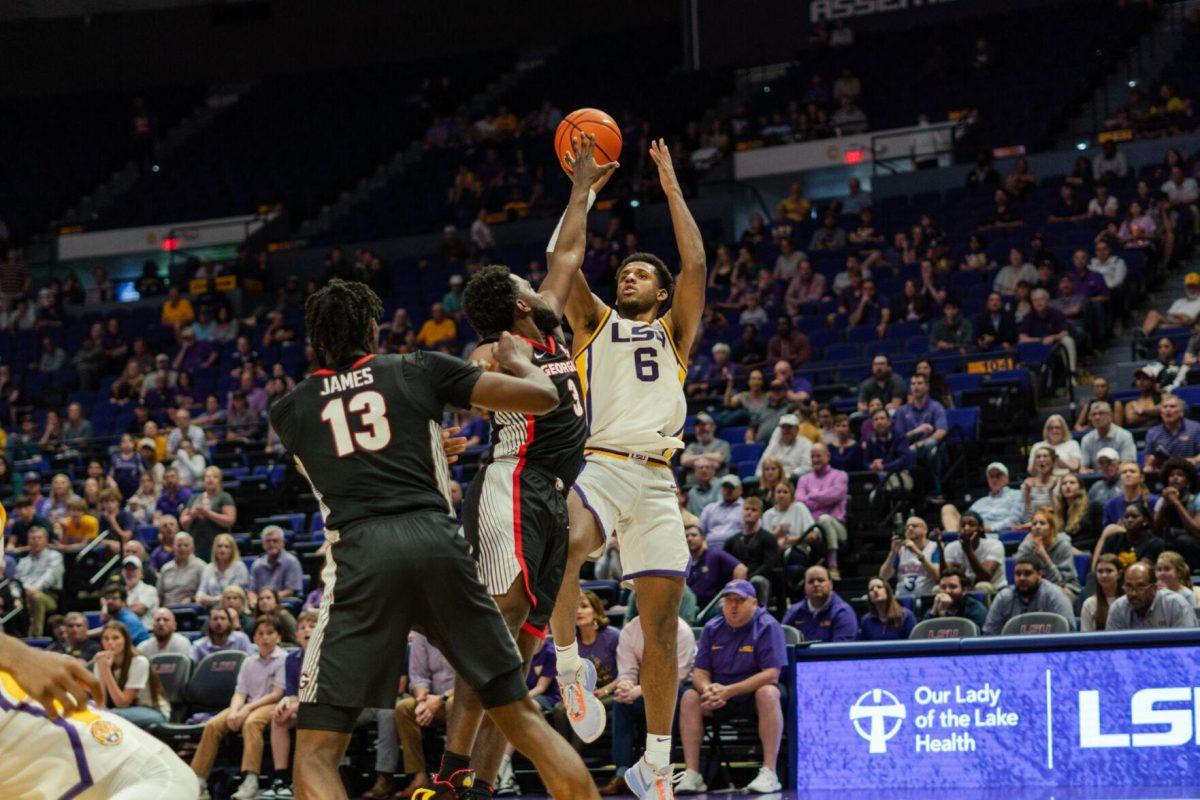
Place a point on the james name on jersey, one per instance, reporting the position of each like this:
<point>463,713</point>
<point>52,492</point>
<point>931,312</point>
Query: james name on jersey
<point>347,380</point>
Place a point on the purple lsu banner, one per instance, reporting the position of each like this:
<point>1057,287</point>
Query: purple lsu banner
<point>1103,718</point>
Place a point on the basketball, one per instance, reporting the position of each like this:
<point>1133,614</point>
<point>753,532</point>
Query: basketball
<point>588,121</point>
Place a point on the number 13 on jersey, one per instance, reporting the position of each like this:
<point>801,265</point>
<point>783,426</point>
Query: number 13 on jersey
<point>377,433</point>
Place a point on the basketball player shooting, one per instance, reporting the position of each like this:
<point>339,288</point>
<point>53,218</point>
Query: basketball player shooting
<point>632,364</point>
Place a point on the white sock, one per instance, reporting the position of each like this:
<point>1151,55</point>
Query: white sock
<point>568,660</point>
<point>658,750</point>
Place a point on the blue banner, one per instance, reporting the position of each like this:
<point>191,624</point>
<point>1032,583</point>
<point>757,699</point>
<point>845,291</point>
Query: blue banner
<point>1081,718</point>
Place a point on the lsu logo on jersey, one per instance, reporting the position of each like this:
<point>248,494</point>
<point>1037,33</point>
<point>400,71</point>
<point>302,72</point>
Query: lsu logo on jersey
<point>106,733</point>
<point>639,333</point>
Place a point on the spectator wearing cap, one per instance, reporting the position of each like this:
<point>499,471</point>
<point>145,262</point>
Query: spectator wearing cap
<point>765,418</point>
<point>707,445</point>
<point>1175,437</point>
<point>723,519</point>
<point>1046,325</point>
<point>1029,593</point>
<point>1146,605</point>
<point>953,599</point>
<point>452,300</point>
<point>789,447</point>
<point>1108,486</point>
<point>164,637</point>
<point>23,519</point>
<point>788,344</point>
<point>824,491</point>
<point>738,661</point>
<point>276,568</point>
<point>706,489</point>
<point>1104,435</point>
<point>922,423</point>
<point>1183,312</point>
<point>141,597</point>
<point>33,490</point>
<point>822,616</point>
<point>883,384</point>
<point>995,326</point>
<point>756,548</point>
<point>709,568</point>
<point>628,709</point>
<point>1143,410</point>
<point>953,331</point>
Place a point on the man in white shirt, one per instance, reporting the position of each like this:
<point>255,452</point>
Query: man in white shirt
<point>787,445</point>
<point>164,638</point>
<point>788,260</point>
<point>1110,267</point>
<point>981,558</point>
<point>1179,188</point>
<point>185,428</point>
<point>142,598</point>
<point>1183,312</point>
<point>628,709</point>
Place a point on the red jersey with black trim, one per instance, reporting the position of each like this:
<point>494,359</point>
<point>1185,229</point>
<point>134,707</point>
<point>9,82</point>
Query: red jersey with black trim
<point>552,442</point>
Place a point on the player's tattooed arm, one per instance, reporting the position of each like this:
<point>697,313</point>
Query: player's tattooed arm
<point>687,306</point>
<point>565,254</point>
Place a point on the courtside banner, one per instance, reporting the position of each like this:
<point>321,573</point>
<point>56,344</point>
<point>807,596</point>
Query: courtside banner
<point>1095,718</point>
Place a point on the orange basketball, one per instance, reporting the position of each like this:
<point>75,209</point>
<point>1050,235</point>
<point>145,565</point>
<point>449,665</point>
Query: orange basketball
<point>588,121</point>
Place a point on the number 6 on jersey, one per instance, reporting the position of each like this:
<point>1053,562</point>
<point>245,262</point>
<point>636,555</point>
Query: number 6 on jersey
<point>373,409</point>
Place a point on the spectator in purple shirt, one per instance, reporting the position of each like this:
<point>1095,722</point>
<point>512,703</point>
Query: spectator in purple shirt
<point>543,687</point>
<point>885,452</point>
<point>174,497</point>
<point>168,526</point>
<point>738,661</point>
<point>220,636</point>
<point>1047,325</point>
<point>193,355</point>
<point>709,568</point>
<point>886,619</point>
<point>1175,437</point>
<point>822,616</point>
<point>921,422</point>
<point>276,568</point>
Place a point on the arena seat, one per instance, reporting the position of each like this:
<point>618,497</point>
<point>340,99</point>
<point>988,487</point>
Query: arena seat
<point>1037,623</point>
<point>944,628</point>
<point>174,671</point>
<point>209,689</point>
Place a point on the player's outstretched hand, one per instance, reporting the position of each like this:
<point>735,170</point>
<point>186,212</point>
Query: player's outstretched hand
<point>512,352</point>
<point>48,677</point>
<point>584,169</point>
<point>453,444</point>
<point>661,157</point>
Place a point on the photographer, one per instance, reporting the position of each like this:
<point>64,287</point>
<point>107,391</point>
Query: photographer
<point>913,560</point>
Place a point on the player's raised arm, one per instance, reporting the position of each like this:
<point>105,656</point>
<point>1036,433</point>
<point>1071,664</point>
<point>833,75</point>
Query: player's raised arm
<point>564,255</point>
<point>525,389</point>
<point>687,306</point>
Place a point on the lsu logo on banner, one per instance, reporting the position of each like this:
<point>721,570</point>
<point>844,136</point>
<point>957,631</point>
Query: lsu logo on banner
<point>1182,723</point>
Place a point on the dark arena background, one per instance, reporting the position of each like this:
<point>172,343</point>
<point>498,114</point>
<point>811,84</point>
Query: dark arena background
<point>952,267</point>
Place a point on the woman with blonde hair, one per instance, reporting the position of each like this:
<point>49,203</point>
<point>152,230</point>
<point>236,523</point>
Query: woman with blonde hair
<point>235,601</point>
<point>1038,489</point>
<point>225,569</point>
<point>772,473</point>
<point>1082,518</point>
<point>1093,616</point>
<point>885,619</point>
<point>1057,436</point>
<point>1174,575</point>
<point>1046,540</point>
<point>131,689</point>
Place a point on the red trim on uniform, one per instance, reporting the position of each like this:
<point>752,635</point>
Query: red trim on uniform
<point>539,346</point>
<point>530,425</point>
<point>326,372</point>
<point>533,630</point>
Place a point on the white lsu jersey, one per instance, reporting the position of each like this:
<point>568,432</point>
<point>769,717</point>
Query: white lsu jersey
<point>632,380</point>
<point>89,754</point>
